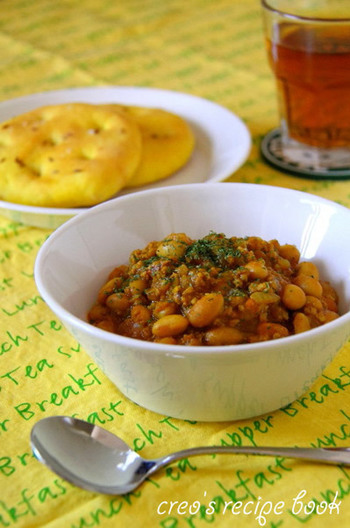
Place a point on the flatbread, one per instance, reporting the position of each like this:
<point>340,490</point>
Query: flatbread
<point>67,155</point>
<point>167,143</point>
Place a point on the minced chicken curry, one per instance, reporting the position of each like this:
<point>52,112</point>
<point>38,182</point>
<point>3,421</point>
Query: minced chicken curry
<point>214,291</point>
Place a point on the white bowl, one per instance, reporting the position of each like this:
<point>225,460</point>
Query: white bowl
<point>199,383</point>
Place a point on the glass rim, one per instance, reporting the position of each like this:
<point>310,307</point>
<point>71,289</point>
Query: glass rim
<point>265,4</point>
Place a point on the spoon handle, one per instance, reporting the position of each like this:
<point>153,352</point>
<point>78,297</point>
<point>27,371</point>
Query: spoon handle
<point>329,455</point>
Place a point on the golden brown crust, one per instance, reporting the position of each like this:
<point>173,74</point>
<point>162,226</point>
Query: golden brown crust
<point>167,143</point>
<point>67,155</point>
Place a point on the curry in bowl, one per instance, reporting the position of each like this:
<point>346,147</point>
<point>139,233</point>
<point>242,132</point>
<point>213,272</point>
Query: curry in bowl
<point>214,291</point>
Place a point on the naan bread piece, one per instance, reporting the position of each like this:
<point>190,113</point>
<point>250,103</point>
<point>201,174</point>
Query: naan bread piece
<point>167,143</point>
<point>68,155</point>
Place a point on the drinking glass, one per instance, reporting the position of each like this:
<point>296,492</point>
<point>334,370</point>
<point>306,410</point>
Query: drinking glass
<point>308,48</point>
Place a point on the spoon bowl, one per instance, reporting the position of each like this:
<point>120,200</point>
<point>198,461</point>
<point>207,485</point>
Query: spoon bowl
<point>94,459</point>
<point>87,455</point>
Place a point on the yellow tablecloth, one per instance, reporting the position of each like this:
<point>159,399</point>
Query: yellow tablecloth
<point>213,49</point>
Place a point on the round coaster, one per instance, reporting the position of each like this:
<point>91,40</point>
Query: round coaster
<point>271,149</point>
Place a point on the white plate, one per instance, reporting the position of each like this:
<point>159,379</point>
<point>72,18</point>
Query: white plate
<point>223,141</point>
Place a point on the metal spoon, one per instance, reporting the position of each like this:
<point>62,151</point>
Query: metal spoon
<point>94,459</point>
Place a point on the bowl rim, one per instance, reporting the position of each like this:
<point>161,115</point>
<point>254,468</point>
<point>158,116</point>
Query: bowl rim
<point>178,350</point>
